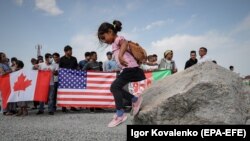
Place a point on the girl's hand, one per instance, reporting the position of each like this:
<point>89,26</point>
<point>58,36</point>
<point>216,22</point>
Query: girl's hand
<point>123,62</point>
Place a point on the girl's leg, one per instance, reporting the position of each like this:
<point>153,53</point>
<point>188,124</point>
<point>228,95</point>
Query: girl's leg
<point>119,93</point>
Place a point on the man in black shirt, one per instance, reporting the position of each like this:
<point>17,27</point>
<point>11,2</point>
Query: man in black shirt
<point>69,62</point>
<point>192,60</point>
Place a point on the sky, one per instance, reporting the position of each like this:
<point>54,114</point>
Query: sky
<point>222,26</point>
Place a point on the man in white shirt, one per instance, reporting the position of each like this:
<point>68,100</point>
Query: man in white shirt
<point>56,58</point>
<point>203,55</point>
<point>48,66</point>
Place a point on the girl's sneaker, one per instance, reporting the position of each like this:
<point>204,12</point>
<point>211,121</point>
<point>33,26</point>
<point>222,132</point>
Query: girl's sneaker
<point>137,105</point>
<point>117,120</point>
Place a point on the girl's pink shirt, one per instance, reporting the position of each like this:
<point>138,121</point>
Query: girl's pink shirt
<point>127,56</point>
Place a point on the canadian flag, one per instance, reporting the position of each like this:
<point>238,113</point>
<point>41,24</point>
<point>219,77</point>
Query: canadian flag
<point>25,85</point>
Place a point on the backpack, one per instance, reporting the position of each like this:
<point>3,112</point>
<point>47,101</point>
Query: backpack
<point>137,51</point>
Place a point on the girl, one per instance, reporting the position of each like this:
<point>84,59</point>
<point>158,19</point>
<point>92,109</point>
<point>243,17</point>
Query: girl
<point>107,33</point>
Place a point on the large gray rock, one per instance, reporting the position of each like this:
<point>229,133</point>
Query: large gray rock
<point>203,94</point>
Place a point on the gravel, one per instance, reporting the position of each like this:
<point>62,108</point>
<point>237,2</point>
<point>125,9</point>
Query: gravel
<point>75,126</point>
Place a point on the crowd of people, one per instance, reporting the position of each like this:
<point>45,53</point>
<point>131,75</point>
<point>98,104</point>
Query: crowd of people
<point>53,62</point>
<point>119,60</point>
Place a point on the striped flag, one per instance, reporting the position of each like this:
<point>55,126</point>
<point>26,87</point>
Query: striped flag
<point>92,89</point>
<point>151,77</point>
<point>85,89</point>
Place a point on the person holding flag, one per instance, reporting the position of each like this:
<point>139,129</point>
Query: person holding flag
<point>48,66</point>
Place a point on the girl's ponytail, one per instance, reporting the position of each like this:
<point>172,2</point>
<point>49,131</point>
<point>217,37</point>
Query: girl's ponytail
<point>117,26</point>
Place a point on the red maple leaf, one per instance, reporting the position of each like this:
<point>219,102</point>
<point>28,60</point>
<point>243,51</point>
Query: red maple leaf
<point>21,83</point>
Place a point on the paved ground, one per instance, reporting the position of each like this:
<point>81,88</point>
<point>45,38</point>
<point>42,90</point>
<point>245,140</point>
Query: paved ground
<point>78,126</point>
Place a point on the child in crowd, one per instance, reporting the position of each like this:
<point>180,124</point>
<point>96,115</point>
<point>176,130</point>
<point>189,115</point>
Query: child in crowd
<point>48,66</point>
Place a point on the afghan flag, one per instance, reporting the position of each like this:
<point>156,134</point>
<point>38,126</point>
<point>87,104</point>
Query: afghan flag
<point>25,85</point>
<point>151,77</point>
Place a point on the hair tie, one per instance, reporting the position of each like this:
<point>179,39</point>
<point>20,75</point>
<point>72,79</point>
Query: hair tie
<point>114,25</point>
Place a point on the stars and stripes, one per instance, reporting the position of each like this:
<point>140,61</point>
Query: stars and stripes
<point>72,79</point>
<point>92,89</point>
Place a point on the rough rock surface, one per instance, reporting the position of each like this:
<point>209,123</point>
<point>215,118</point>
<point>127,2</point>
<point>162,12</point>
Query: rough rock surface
<point>203,94</point>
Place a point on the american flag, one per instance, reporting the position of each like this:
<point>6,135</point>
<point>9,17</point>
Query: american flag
<point>85,89</point>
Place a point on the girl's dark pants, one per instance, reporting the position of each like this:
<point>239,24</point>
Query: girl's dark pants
<point>127,75</point>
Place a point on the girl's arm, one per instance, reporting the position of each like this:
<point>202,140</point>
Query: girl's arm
<point>124,46</point>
